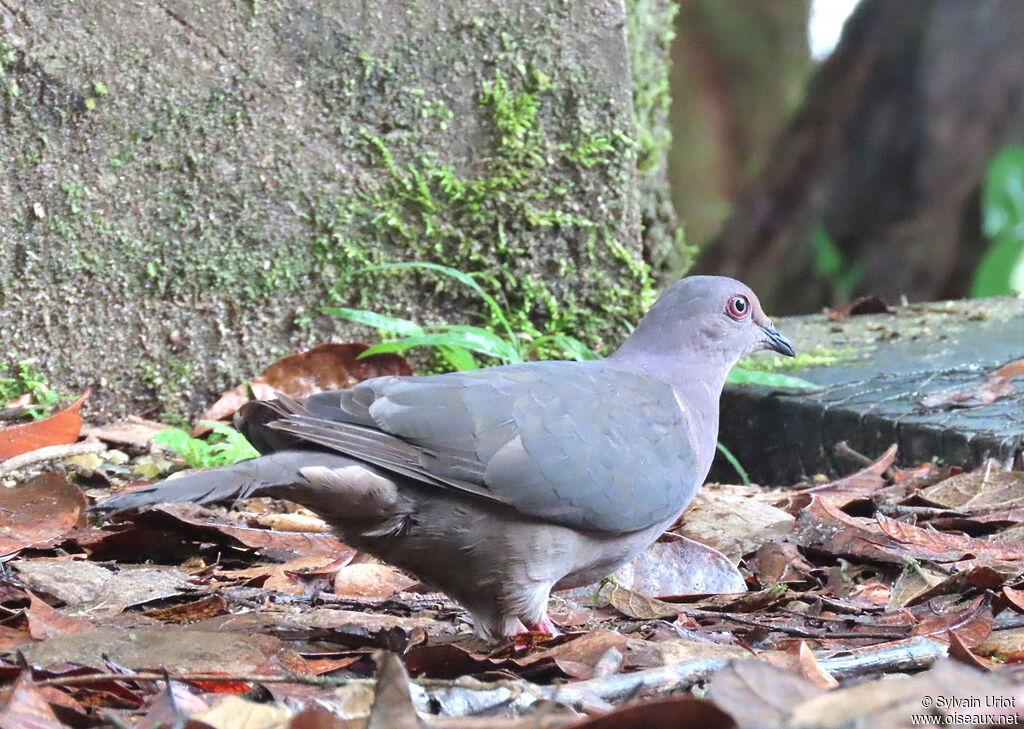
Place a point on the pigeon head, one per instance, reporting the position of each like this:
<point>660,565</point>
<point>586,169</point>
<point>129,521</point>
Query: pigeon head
<point>709,319</point>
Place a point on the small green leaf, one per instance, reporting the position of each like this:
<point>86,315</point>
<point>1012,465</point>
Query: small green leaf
<point>1001,270</point>
<point>489,344</point>
<point>195,452</point>
<point>459,276</point>
<point>1002,196</point>
<point>459,358</point>
<point>389,324</point>
<point>571,347</point>
<point>740,376</point>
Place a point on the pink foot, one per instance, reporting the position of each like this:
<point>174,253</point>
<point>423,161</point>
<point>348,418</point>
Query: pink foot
<point>546,626</point>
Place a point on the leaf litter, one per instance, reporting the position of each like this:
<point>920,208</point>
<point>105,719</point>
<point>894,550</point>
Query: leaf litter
<point>776,606</point>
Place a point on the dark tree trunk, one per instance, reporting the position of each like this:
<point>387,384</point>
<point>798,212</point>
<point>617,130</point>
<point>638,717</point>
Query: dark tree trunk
<point>885,158</point>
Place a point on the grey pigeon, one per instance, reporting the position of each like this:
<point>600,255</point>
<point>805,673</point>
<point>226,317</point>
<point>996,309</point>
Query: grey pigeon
<point>501,484</point>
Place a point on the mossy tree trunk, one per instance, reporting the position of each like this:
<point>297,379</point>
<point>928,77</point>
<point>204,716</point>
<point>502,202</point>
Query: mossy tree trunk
<point>185,183</point>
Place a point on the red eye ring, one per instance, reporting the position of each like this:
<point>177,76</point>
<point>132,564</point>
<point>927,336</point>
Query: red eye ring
<point>737,307</point>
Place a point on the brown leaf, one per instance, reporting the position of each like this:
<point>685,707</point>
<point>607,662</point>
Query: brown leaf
<point>637,605</point>
<point>370,580</point>
<point>225,406</point>
<point>972,625</point>
<point>859,485</point>
<point>992,388</point>
<point>670,713</point>
<point>48,622</point>
<point>811,670</point>
<point>12,637</point>
<point>134,432</point>
<point>864,305</point>
<point>1006,646</point>
<point>179,649</point>
<point>988,487</point>
<point>679,566</point>
<point>326,367</point>
<point>944,542</point>
<point>732,522</point>
<point>758,693</point>
<point>26,708</point>
<point>38,512</point>
<point>579,657</point>
<point>959,649</point>
<point>89,587</point>
<point>171,708</point>
<point>392,702</point>
<point>776,562</point>
<point>329,367</point>
<point>1016,597</point>
<point>59,429</point>
<point>300,544</point>
<point>189,612</point>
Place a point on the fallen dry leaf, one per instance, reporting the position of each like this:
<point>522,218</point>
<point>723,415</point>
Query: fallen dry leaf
<point>59,429</point>
<point>944,543</point>
<point>677,711</point>
<point>988,487</point>
<point>635,604</point>
<point>676,565</point>
<point>27,708</point>
<point>370,580</point>
<point>38,512</point>
<point>732,523</point>
<point>758,693</point>
<point>134,432</point>
<point>859,485</point>
<point>326,367</point>
<point>992,388</point>
<point>45,621</point>
<point>297,543</point>
<point>864,305</point>
<point>972,624</point>
<point>89,588</point>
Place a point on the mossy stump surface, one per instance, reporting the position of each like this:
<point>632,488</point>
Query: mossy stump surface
<point>874,371</point>
<point>184,184</point>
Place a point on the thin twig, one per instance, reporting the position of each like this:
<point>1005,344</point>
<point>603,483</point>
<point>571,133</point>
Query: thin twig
<point>152,676</point>
<point>50,453</point>
<point>794,630</point>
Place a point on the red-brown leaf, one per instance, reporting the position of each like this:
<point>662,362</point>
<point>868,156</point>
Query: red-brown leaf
<point>326,367</point>
<point>27,709</point>
<point>946,542</point>
<point>58,429</point>
<point>38,511</point>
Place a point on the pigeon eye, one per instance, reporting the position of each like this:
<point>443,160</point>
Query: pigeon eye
<point>737,307</point>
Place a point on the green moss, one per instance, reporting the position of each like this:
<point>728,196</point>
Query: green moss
<point>818,357</point>
<point>426,210</point>
<point>651,25</point>
<point>228,205</point>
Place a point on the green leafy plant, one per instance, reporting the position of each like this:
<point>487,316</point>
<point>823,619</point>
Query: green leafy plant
<point>224,447</point>
<point>458,344</point>
<point>830,265</point>
<point>26,378</point>
<point>742,376</point>
<point>1001,270</point>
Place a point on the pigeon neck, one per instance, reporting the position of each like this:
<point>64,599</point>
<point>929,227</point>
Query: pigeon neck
<point>702,384</point>
<point>699,388</point>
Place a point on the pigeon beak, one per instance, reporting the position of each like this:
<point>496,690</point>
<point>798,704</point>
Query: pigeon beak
<point>778,341</point>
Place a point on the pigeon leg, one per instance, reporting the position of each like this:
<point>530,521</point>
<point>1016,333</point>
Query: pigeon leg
<point>545,626</point>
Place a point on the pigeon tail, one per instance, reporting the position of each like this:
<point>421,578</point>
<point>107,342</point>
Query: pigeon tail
<point>265,475</point>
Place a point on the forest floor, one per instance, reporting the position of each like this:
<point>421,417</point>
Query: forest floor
<point>253,615</point>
